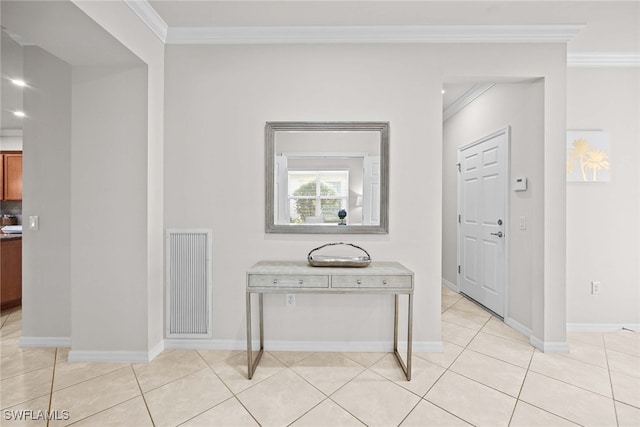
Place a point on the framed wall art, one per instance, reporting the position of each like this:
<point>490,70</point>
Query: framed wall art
<point>588,156</point>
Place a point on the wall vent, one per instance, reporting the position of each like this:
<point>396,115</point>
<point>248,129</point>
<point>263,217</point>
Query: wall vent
<point>188,283</point>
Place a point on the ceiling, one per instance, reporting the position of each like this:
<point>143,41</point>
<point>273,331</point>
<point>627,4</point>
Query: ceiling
<point>610,26</point>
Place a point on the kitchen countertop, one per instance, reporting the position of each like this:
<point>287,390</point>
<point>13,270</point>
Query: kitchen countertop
<point>10,236</point>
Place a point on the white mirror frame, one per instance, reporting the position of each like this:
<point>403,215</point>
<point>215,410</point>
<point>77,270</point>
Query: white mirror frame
<point>270,149</point>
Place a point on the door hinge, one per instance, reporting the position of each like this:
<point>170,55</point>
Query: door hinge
<point>459,167</point>
<point>459,269</point>
<point>459,219</point>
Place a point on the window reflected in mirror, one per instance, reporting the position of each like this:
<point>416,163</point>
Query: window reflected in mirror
<point>326,177</point>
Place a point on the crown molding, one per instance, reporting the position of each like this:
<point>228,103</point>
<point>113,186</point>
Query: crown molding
<point>603,59</point>
<point>150,17</point>
<point>374,34</point>
<point>469,96</point>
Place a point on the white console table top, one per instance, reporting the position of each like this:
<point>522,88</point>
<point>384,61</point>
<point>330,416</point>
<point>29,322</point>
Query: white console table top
<point>302,267</point>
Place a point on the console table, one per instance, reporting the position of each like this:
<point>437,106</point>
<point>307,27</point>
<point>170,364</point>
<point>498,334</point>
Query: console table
<point>297,277</point>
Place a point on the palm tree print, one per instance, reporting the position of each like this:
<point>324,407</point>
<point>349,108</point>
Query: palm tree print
<point>596,161</point>
<point>592,160</point>
<point>579,152</point>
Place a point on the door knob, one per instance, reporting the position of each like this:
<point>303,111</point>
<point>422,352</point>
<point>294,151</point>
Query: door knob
<point>499,234</point>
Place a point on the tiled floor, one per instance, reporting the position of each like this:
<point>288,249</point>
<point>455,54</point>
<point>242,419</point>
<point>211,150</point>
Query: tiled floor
<point>488,375</point>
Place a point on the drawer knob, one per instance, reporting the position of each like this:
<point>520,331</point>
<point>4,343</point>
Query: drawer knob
<point>384,282</point>
<point>359,282</point>
<point>300,281</point>
<point>275,281</point>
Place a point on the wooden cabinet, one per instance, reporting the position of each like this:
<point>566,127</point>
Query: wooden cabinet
<point>11,175</point>
<point>10,272</point>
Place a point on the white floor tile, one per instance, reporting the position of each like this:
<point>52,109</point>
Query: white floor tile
<point>132,412</point>
<point>623,342</point>
<point>626,389</point>
<point>456,334</point>
<point>491,372</point>
<point>474,381</point>
<point>95,395</point>
<point>183,399</point>
<point>327,412</point>
<point>424,374</point>
<point>229,413</point>
<point>445,358</point>
<point>567,401</point>
<point>375,400</point>
<point>280,399</point>
<point>526,415</point>
<point>327,371</point>
<point>580,374</point>
<point>428,414</point>
<point>471,401</point>
<point>509,351</point>
<point>628,416</point>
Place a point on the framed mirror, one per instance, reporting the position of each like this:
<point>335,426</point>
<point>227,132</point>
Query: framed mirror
<point>327,177</point>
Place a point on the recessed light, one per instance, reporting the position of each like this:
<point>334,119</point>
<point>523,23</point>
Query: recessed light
<point>19,113</point>
<point>443,91</point>
<point>18,82</point>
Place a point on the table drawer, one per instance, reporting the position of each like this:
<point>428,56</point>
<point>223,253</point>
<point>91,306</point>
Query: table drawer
<point>286,281</point>
<point>393,282</point>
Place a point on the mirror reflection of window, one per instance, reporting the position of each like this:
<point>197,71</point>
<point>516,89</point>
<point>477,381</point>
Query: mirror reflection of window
<point>315,197</point>
<point>315,170</point>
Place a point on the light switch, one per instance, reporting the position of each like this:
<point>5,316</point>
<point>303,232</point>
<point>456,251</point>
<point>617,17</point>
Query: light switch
<point>523,223</point>
<point>34,223</point>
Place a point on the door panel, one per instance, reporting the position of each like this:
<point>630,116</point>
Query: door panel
<point>482,203</point>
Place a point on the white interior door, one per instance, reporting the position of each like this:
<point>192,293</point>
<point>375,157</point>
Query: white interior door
<point>482,207</point>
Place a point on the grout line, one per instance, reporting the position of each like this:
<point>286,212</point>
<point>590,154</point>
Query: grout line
<point>613,396</point>
<point>144,399</point>
<point>233,394</point>
<point>53,377</point>
<point>92,378</point>
<point>365,369</point>
<point>309,410</point>
<point>29,370</point>
<point>526,373</point>
<point>101,411</point>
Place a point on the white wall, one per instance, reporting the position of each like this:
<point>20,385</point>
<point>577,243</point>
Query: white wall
<point>118,19</point>
<point>46,192</point>
<point>520,106</point>
<point>109,211</point>
<point>117,147</point>
<point>603,242</point>
<point>216,107</point>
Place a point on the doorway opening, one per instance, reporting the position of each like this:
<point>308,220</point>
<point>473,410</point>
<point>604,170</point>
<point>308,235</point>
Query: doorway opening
<point>476,110</point>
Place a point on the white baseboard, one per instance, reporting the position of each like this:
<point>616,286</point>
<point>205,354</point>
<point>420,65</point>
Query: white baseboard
<point>602,327</point>
<point>517,326</point>
<point>450,285</point>
<point>156,350</point>
<point>549,346</point>
<point>329,346</point>
<point>428,347</point>
<point>204,344</point>
<point>44,342</point>
<point>109,356</point>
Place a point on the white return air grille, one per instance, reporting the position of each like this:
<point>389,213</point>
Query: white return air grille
<point>188,283</point>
